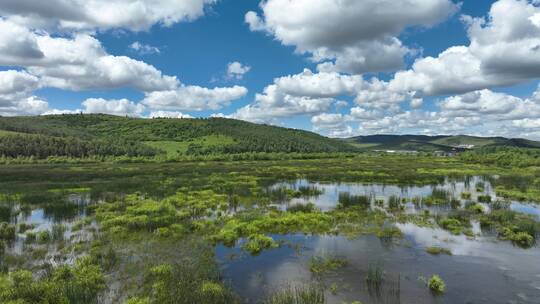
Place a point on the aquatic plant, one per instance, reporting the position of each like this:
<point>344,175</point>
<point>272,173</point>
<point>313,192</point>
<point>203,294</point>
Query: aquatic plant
<point>57,232</point>
<point>374,277</point>
<point>308,294</point>
<point>466,195</point>
<point>256,243</point>
<point>389,233</point>
<point>436,284</point>
<point>437,197</point>
<point>484,198</point>
<point>394,203</point>
<point>347,200</point>
<point>23,227</point>
<point>7,232</point>
<point>30,237</point>
<point>480,186</point>
<point>451,224</point>
<point>43,237</point>
<point>80,283</point>
<point>475,208</point>
<point>186,282</point>
<point>438,250</point>
<point>308,207</point>
<point>309,191</point>
<point>319,265</point>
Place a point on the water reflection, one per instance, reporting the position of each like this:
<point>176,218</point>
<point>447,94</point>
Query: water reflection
<point>464,191</point>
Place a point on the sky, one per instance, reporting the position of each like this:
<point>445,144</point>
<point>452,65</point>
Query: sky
<point>340,68</point>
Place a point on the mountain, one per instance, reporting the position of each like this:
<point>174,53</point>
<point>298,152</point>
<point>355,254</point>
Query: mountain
<point>97,134</point>
<point>426,143</point>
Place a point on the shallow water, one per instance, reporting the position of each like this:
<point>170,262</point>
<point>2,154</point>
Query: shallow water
<point>329,199</point>
<point>479,271</point>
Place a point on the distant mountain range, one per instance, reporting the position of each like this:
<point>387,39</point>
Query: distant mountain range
<point>424,143</point>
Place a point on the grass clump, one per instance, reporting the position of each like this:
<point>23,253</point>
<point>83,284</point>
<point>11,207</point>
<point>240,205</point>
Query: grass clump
<point>43,237</point>
<point>306,208</point>
<point>465,195</point>
<point>437,197</point>
<point>310,294</point>
<point>347,200</point>
<point>80,283</point>
<point>438,250</point>
<point>436,284</point>
<point>394,203</point>
<point>57,232</point>
<point>475,208</point>
<point>7,232</point>
<point>484,198</point>
<point>185,283</point>
<point>390,233</point>
<point>375,277</point>
<point>256,243</point>
<point>323,264</point>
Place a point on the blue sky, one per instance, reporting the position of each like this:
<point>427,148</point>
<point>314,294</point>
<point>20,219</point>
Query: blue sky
<point>420,66</point>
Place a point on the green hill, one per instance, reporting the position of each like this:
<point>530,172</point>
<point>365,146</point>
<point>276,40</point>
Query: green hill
<point>424,143</point>
<point>96,134</point>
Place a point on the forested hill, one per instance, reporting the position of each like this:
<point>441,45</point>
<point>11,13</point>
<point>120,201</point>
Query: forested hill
<point>81,135</point>
<point>437,143</point>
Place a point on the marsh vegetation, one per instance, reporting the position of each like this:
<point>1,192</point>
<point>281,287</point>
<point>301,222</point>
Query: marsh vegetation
<point>328,230</point>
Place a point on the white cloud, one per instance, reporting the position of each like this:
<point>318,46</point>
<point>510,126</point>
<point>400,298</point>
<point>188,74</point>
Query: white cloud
<point>236,70</point>
<point>31,105</point>
<point>309,93</point>
<point>348,36</point>
<point>527,123</point>
<point>334,125</point>
<point>169,114</point>
<point>144,49</point>
<point>503,50</point>
<point>120,107</point>
<point>300,94</point>
<point>17,44</point>
<point>15,85</point>
<point>194,98</point>
<point>76,63</point>
<point>81,63</point>
<point>16,94</point>
<point>134,15</point>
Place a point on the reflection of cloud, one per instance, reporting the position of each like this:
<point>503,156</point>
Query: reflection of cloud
<point>516,260</point>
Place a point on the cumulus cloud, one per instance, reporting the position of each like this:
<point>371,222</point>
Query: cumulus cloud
<point>144,49</point>
<point>347,35</point>
<point>503,50</point>
<point>133,15</point>
<point>236,70</point>
<point>309,93</point>
<point>16,88</point>
<point>169,114</point>
<point>194,98</point>
<point>483,113</point>
<point>334,125</point>
<point>120,107</point>
<point>300,94</point>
